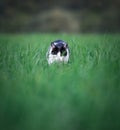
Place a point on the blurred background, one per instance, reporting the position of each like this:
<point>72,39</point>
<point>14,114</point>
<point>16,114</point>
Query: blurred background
<point>69,16</point>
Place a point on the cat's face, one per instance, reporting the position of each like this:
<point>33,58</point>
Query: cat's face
<point>58,52</point>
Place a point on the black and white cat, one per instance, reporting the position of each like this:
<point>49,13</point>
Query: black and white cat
<point>58,52</point>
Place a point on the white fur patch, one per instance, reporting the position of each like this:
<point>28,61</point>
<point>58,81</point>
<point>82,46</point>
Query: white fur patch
<point>57,58</point>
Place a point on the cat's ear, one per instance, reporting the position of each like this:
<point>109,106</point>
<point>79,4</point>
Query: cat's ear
<point>66,45</point>
<point>52,45</point>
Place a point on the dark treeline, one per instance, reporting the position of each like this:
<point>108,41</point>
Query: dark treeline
<point>89,15</point>
<point>33,6</point>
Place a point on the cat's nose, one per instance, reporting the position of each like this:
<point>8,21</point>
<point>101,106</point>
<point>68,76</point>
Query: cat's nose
<point>59,54</point>
<point>59,57</point>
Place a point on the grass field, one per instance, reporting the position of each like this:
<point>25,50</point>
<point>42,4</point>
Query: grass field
<point>81,95</point>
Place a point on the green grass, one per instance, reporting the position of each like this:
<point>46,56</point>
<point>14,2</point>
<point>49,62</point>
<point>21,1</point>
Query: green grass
<point>81,95</point>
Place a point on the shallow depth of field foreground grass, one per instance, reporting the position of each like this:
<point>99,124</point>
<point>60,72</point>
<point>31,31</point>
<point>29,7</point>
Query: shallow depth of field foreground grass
<point>81,95</point>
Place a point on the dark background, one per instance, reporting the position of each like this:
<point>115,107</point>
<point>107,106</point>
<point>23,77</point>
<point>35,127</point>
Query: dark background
<point>70,16</point>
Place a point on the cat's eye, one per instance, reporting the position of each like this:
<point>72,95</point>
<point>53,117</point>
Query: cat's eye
<point>63,52</point>
<point>55,51</point>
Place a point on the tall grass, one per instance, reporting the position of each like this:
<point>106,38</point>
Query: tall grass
<point>83,94</point>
